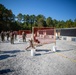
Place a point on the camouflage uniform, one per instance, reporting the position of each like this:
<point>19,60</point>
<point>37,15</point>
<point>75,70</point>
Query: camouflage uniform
<point>12,37</point>
<point>7,35</point>
<point>23,36</point>
<point>2,35</point>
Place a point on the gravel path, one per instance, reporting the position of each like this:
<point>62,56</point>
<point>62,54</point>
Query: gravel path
<point>15,60</point>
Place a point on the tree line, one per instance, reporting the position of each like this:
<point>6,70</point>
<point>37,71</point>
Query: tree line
<point>9,21</point>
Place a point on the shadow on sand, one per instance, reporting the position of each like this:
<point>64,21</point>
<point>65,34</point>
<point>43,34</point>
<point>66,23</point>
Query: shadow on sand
<point>64,50</point>
<point>5,71</point>
<point>6,56</point>
<point>38,50</point>
<point>43,52</point>
<point>13,51</point>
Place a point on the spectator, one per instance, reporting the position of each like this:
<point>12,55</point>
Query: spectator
<point>15,35</point>
<point>2,36</point>
<point>23,36</point>
<point>12,37</point>
<point>8,34</point>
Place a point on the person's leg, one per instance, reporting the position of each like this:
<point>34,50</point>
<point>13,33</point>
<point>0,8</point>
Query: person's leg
<point>11,40</point>
<point>28,47</point>
<point>2,39</point>
<point>31,45</point>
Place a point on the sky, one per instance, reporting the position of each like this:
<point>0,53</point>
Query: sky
<point>56,9</point>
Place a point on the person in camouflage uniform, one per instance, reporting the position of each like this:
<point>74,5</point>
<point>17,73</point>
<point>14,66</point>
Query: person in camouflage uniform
<point>2,36</point>
<point>23,36</point>
<point>8,35</point>
<point>12,37</point>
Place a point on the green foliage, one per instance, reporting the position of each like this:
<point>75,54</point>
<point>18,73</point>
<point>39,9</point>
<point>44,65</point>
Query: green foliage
<point>8,21</point>
<point>49,22</point>
<point>19,17</point>
<point>6,18</point>
<point>74,24</point>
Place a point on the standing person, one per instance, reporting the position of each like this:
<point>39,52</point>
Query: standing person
<point>2,36</point>
<point>8,34</point>
<point>23,36</point>
<point>15,35</point>
<point>12,37</point>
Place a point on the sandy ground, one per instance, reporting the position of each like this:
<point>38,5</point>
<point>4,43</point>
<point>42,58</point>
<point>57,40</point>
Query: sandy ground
<point>15,60</point>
